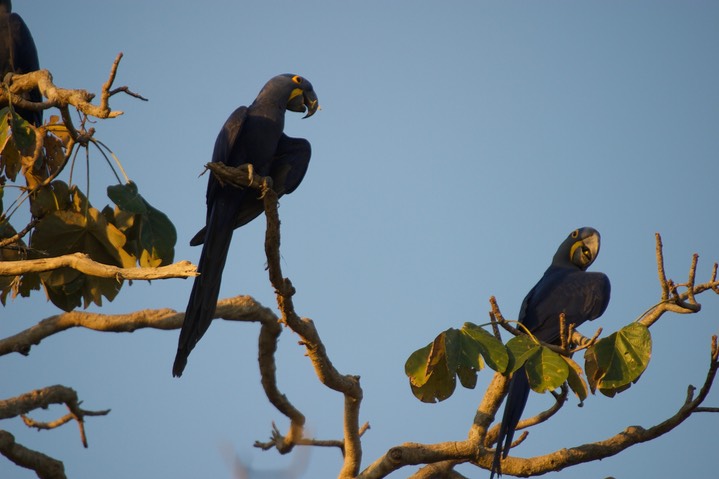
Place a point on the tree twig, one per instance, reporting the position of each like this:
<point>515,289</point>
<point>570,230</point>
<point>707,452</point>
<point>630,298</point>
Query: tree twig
<point>41,399</point>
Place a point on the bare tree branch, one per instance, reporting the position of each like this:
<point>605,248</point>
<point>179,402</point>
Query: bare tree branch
<point>82,262</point>
<point>672,300</point>
<point>559,401</point>
<point>304,327</point>
<point>239,308</point>
<point>41,399</point>
<point>44,466</point>
<point>243,176</point>
<point>59,97</point>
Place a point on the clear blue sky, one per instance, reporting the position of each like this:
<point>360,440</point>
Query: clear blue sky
<point>457,145</point>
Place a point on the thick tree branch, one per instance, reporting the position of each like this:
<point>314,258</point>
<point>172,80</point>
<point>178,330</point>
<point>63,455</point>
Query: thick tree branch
<point>44,466</point>
<point>82,263</point>
<point>239,308</point>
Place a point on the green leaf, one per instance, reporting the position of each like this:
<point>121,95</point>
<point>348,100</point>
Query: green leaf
<point>615,362</point>
<point>476,341</point>
<point>575,380</point>
<point>428,369</point>
<point>10,160</point>
<point>7,254</point>
<point>4,127</point>
<point>24,135</point>
<point>151,234</point>
<point>520,349</point>
<point>546,370</point>
<point>416,366</point>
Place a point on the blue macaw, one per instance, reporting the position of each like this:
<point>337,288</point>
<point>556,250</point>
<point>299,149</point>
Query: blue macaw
<point>568,288</point>
<point>18,55</point>
<point>252,135</point>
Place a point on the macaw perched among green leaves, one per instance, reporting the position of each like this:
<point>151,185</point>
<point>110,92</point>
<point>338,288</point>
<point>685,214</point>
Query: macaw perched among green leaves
<point>252,135</point>
<point>568,288</point>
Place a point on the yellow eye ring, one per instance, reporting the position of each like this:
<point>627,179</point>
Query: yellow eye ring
<point>575,233</point>
<point>297,79</point>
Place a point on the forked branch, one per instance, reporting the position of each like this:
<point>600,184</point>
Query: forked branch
<point>243,177</point>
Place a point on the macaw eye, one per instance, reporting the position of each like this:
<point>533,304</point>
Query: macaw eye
<point>297,79</point>
<point>575,233</point>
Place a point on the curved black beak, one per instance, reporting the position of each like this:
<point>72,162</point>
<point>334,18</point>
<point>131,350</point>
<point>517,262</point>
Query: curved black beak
<point>303,101</point>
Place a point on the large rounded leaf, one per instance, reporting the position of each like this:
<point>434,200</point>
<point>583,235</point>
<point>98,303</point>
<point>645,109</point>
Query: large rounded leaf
<point>615,362</point>
<point>546,370</point>
<point>520,349</point>
<point>432,369</point>
<point>476,340</point>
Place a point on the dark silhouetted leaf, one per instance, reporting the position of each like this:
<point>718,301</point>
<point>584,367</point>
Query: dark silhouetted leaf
<point>53,197</point>
<point>151,234</point>
<point>64,232</point>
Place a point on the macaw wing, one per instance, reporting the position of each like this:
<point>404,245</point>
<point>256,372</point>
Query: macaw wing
<point>221,154</point>
<point>290,164</point>
<point>581,296</point>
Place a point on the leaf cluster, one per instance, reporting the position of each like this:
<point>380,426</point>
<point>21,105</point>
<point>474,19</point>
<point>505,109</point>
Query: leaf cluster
<point>64,222</point>
<point>612,363</point>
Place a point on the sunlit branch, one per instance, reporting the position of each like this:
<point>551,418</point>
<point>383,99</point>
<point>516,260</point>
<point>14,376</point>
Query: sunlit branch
<point>243,177</point>
<point>239,308</point>
<point>82,263</point>
<point>41,399</point>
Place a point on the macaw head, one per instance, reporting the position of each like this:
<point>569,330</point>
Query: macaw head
<point>292,91</point>
<point>302,97</point>
<point>579,250</point>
